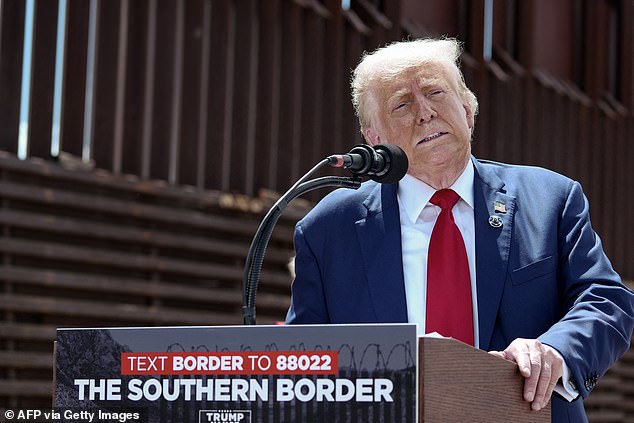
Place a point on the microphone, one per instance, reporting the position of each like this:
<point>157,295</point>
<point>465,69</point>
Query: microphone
<point>384,163</point>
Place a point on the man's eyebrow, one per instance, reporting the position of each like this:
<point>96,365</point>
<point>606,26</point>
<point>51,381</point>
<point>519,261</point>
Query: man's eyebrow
<point>431,84</point>
<point>431,81</point>
<point>399,94</point>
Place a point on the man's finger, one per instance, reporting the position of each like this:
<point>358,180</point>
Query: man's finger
<point>518,352</point>
<point>553,364</point>
<point>531,382</point>
<point>542,393</point>
<point>499,354</point>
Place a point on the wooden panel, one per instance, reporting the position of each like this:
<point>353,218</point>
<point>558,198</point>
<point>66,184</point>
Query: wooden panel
<point>115,313</point>
<point>27,331</point>
<point>166,61</point>
<point>192,82</point>
<point>377,22</point>
<point>11,45</point>
<point>333,97</point>
<point>448,372</point>
<point>42,78</point>
<point>30,388</point>
<point>313,81</point>
<point>176,103</point>
<point>107,83</point>
<point>217,163</point>
<point>113,232</point>
<point>268,97</point>
<point>149,48</point>
<point>491,140</point>
<point>593,186</point>
<point>627,53</point>
<point>606,160</point>
<point>628,186</point>
<point>107,262</point>
<point>354,44</point>
<point>553,37</point>
<point>545,114</point>
<point>76,53</point>
<point>137,78</point>
<point>290,100</point>
<point>441,17</point>
<point>596,35</point>
<point>74,283</point>
<point>394,12</point>
<point>30,360</point>
<point>242,156</point>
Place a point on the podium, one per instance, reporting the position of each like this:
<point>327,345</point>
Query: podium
<point>313,373</point>
<point>458,383</point>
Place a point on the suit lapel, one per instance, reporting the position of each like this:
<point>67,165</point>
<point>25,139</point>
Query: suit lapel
<point>379,236</point>
<point>492,245</point>
<point>380,240</point>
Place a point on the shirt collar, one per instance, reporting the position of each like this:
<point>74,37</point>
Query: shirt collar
<point>414,194</point>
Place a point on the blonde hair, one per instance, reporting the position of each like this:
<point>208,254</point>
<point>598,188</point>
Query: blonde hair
<point>390,62</point>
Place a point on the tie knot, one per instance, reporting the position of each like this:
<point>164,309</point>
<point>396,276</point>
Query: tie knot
<point>445,199</point>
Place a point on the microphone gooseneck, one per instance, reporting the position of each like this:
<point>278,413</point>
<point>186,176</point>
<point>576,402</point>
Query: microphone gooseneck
<point>384,163</point>
<point>257,250</point>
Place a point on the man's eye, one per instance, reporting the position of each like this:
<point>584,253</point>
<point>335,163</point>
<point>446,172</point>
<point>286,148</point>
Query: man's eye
<point>435,92</point>
<point>399,106</point>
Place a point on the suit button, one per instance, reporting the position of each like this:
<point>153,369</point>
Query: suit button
<point>591,382</point>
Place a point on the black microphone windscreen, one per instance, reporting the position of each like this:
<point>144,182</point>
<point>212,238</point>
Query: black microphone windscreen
<point>398,163</point>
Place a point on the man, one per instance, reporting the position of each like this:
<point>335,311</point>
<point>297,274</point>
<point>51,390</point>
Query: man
<point>526,274</point>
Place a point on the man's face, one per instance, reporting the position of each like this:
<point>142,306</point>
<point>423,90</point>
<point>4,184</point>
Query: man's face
<point>422,113</point>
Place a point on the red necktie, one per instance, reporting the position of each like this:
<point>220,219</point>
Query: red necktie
<point>449,307</point>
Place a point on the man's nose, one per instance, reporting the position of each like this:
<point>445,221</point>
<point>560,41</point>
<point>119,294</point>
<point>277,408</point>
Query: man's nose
<point>425,111</point>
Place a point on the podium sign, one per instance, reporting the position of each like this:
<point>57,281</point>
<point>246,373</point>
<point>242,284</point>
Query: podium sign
<point>334,373</point>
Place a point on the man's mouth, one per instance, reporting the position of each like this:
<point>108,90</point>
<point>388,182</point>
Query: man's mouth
<point>431,137</point>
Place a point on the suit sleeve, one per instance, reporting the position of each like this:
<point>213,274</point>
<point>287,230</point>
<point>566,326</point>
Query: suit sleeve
<point>599,310</point>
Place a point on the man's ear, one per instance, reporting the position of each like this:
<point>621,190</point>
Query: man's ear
<point>469,115</point>
<point>371,136</point>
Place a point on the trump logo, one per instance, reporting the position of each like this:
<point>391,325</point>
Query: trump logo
<point>224,416</point>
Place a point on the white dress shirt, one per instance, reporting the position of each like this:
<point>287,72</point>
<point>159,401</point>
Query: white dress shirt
<point>418,217</point>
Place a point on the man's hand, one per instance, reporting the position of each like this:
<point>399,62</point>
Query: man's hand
<point>540,364</point>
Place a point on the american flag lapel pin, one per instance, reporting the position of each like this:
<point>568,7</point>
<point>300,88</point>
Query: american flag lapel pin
<point>499,207</point>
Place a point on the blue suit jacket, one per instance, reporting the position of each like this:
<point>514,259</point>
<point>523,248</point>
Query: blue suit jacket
<point>542,274</point>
